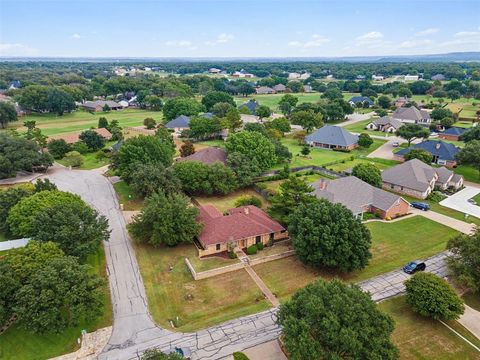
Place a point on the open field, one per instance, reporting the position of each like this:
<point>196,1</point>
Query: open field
<point>223,203</point>
<point>393,245</point>
<point>127,197</point>
<point>192,305</point>
<point>382,164</point>
<point>271,100</point>
<point>51,124</point>
<point>418,337</point>
<point>18,343</point>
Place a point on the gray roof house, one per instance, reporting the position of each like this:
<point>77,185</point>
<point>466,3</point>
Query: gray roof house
<point>279,88</point>
<point>360,100</point>
<point>207,156</point>
<point>385,124</point>
<point>262,90</point>
<point>98,105</point>
<point>251,105</point>
<point>332,137</point>
<point>417,179</point>
<point>439,77</point>
<point>443,152</point>
<point>412,115</point>
<point>359,197</point>
<point>180,122</point>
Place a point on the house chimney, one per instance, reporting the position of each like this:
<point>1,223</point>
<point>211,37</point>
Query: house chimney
<point>438,145</point>
<point>323,184</point>
<point>246,210</point>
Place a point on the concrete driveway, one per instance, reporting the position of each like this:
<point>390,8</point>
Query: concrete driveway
<point>356,117</point>
<point>459,201</point>
<point>386,150</point>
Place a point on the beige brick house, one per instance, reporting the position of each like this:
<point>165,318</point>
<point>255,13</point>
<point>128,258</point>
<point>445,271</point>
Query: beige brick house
<point>240,227</point>
<point>417,179</point>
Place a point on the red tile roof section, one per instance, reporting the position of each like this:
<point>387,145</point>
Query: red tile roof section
<point>240,223</point>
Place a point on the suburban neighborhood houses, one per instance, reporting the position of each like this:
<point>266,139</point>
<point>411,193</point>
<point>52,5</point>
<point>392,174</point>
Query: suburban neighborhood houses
<point>204,186</point>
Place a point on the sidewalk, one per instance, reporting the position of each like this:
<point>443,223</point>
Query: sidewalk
<point>266,291</point>
<point>471,320</point>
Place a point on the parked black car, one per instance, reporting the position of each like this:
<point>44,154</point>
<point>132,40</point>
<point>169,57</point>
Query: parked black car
<point>414,266</point>
<point>420,205</point>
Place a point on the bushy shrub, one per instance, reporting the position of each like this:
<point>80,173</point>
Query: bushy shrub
<point>252,249</point>
<point>232,255</point>
<point>239,356</point>
<point>80,147</point>
<point>436,196</point>
<point>260,246</point>
<point>248,200</point>
<point>73,159</point>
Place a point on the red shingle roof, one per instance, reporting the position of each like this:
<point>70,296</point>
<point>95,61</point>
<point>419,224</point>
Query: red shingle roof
<point>240,223</point>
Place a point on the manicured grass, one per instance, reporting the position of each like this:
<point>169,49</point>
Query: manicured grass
<point>128,198</point>
<point>90,160</point>
<point>468,172</point>
<point>223,203</point>
<point>2,236</point>
<point>271,100</point>
<point>192,305</point>
<point>18,343</point>
<point>274,185</point>
<point>51,124</point>
<point>320,157</point>
<point>396,243</point>
<point>463,124</point>
<point>419,337</point>
<point>277,248</point>
<point>393,245</point>
<point>476,198</point>
<point>382,164</point>
<point>208,263</point>
<point>472,300</point>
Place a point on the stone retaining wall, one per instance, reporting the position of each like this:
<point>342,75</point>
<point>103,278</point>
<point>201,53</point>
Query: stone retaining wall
<point>234,267</point>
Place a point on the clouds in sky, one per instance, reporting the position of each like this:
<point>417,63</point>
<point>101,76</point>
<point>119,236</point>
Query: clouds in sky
<point>313,42</point>
<point>427,32</point>
<point>223,38</point>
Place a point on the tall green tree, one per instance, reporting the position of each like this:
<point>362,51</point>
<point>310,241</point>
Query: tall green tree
<point>291,194</point>
<point>245,168</point>
<point>181,106</point>
<point>216,97</point>
<point>412,131</point>
<point>432,296</point>
<point>263,111</point>
<point>75,227</point>
<point>8,114</point>
<point>254,145</point>
<point>232,120</point>
<point>464,261</point>
<point>470,155</point>
<point>420,154</point>
<point>59,101</point>
<point>328,235</point>
<point>368,173</point>
<point>92,139</point>
<point>309,120</point>
<point>204,128</point>
<point>144,150</point>
<point>58,296</point>
<point>8,199</point>
<point>332,320</point>
<point>166,219</point>
<point>145,179</point>
<point>58,148</point>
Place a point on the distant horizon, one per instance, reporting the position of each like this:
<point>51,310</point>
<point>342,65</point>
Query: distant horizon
<point>236,28</point>
<point>466,54</point>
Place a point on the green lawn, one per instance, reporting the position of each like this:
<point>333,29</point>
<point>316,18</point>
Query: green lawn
<point>51,124</point>
<point>192,305</point>
<point>2,236</point>
<point>90,160</point>
<point>127,197</point>
<point>419,337</point>
<point>393,245</point>
<point>396,243</point>
<point>472,300</point>
<point>18,343</point>
<point>271,100</point>
<point>320,157</point>
<point>382,164</point>
<point>468,172</point>
<point>223,203</point>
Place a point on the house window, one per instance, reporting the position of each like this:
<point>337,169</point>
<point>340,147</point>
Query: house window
<point>217,247</point>
<point>392,187</point>
<point>401,187</point>
<point>258,239</point>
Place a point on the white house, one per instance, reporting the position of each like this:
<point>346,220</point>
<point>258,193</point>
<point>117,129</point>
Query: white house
<point>377,77</point>
<point>411,77</point>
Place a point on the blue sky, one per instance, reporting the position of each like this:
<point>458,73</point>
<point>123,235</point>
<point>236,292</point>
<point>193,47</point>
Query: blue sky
<point>236,28</point>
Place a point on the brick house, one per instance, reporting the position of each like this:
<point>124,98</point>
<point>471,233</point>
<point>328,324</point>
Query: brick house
<point>333,138</point>
<point>412,115</point>
<point>360,197</point>
<point>443,153</point>
<point>241,227</point>
<point>98,105</point>
<point>452,134</point>
<point>385,123</point>
<point>417,179</point>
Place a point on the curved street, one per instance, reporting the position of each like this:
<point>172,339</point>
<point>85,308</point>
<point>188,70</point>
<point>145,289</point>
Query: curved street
<point>134,330</point>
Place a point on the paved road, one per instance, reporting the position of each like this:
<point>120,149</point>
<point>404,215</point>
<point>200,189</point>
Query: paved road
<point>356,117</point>
<point>133,329</point>
<point>471,320</point>
<point>13,244</point>
<point>459,201</point>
